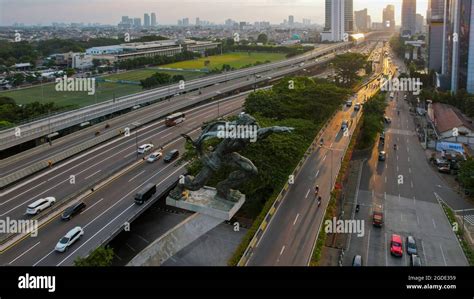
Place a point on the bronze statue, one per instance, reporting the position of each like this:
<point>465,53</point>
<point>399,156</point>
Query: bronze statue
<point>236,136</point>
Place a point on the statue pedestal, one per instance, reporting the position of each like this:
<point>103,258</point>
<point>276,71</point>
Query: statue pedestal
<point>210,212</point>
<point>203,201</point>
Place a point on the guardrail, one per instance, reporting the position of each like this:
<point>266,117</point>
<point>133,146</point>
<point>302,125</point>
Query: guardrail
<point>33,168</point>
<point>36,129</point>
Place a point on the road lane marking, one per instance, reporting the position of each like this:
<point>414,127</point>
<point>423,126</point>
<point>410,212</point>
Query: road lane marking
<point>282,249</point>
<point>434,224</point>
<point>417,220</point>
<point>307,193</point>
<point>92,174</point>
<point>442,253</point>
<point>411,184</point>
<point>317,173</point>
<point>136,176</point>
<point>414,200</point>
<point>92,206</point>
<point>296,219</point>
<point>398,169</point>
<point>424,256</point>
<point>386,250</point>
<point>26,191</point>
<point>43,258</point>
<point>325,157</point>
<point>385,179</point>
<point>408,159</point>
<point>24,253</point>
<point>409,170</point>
<point>368,246</point>
<point>128,155</point>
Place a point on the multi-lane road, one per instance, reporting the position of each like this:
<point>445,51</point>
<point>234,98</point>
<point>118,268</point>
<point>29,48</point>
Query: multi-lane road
<point>109,206</point>
<point>407,189</point>
<point>290,235</point>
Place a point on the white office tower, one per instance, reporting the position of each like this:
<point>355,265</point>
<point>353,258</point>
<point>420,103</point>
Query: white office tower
<point>337,30</point>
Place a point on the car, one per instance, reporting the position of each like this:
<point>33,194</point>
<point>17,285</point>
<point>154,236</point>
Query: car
<point>357,107</point>
<point>377,219</point>
<point>439,162</point>
<point>170,156</point>
<point>382,155</point>
<point>396,245</point>
<point>39,205</point>
<point>387,119</point>
<point>73,210</point>
<point>72,236</point>
<point>154,157</point>
<point>415,260</point>
<point>357,261</point>
<point>145,148</point>
<point>411,245</point>
<point>348,103</point>
<point>344,125</point>
<point>444,169</point>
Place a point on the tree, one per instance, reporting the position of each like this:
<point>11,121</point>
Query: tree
<point>346,66</point>
<point>101,257</point>
<point>262,38</point>
<point>466,174</point>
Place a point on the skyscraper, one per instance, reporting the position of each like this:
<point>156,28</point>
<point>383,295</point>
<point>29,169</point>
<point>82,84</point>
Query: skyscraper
<point>408,17</point>
<point>420,23</point>
<point>361,20</point>
<point>458,46</point>
<point>291,21</point>
<point>389,17</point>
<point>153,19</point>
<point>348,17</point>
<point>435,34</point>
<point>137,22</point>
<point>146,20</point>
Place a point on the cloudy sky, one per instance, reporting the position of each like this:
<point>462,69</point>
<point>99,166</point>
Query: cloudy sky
<point>169,11</point>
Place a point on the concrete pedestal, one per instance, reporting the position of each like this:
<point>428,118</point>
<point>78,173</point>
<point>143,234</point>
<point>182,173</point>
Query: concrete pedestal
<point>209,214</point>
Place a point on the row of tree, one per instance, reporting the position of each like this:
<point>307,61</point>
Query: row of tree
<point>372,121</point>
<point>158,79</point>
<point>155,60</point>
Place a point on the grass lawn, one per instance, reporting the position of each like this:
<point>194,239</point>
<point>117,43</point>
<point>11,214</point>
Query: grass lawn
<point>236,60</point>
<point>107,90</point>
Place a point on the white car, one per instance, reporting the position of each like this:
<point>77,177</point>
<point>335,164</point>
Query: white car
<point>72,236</point>
<point>39,205</point>
<point>145,148</point>
<point>154,157</point>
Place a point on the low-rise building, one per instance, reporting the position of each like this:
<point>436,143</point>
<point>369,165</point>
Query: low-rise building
<point>451,124</point>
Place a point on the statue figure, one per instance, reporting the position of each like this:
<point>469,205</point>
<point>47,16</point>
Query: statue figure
<point>236,136</point>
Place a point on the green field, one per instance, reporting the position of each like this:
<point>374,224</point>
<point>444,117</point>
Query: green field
<point>107,90</point>
<point>236,60</point>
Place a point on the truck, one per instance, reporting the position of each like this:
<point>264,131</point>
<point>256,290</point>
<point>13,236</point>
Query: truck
<point>377,218</point>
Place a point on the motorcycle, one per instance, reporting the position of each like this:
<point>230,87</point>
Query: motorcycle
<point>357,208</point>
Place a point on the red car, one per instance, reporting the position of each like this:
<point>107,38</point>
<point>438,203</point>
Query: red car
<point>396,245</point>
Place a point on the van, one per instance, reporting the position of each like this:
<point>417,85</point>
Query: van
<point>173,154</point>
<point>145,194</point>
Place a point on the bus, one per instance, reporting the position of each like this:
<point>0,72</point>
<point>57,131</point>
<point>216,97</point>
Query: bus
<point>174,119</point>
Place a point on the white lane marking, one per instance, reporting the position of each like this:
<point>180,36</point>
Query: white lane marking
<point>307,193</point>
<point>411,184</point>
<point>91,206</point>
<point>442,253</point>
<point>398,169</point>
<point>26,191</point>
<point>325,157</point>
<point>167,134</point>
<point>424,256</point>
<point>417,220</point>
<point>282,249</point>
<point>317,173</point>
<point>23,253</point>
<point>43,258</point>
<point>133,204</point>
<point>397,157</point>
<point>296,219</point>
<point>368,246</point>
<point>409,170</point>
<point>92,174</point>
<point>385,195</point>
<point>385,179</point>
<point>386,250</point>
<point>414,200</point>
<point>408,159</point>
<point>128,155</point>
<point>135,176</point>
<point>434,224</point>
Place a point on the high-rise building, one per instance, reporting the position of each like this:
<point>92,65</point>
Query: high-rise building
<point>457,69</point>
<point>408,17</point>
<point>435,18</point>
<point>198,21</point>
<point>291,21</point>
<point>361,20</point>
<point>153,19</point>
<point>348,17</point>
<point>137,22</point>
<point>146,20</point>
<point>420,23</point>
<point>186,22</point>
<point>337,30</point>
<point>389,17</point>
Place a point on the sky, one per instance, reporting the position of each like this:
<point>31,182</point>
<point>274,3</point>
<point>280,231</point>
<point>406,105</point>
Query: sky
<point>31,12</point>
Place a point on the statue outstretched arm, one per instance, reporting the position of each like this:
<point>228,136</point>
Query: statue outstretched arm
<point>265,132</point>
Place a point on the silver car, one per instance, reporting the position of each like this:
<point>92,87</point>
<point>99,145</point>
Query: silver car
<point>72,236</point>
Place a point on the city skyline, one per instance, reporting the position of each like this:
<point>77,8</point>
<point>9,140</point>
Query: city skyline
<point>216,11</point>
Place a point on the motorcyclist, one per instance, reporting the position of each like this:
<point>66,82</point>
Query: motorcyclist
<point>316,190</point>
<point>395,146</point>
<point>319,201</point>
